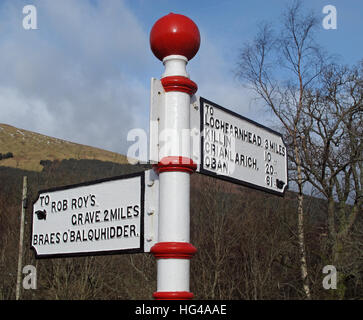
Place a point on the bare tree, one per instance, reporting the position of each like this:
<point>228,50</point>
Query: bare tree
<point>331,152</point>
<point>212,228</point>
<point>280,69</point>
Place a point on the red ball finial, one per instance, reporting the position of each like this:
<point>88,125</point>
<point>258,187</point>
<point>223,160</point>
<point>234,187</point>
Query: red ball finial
<point>174,34</point>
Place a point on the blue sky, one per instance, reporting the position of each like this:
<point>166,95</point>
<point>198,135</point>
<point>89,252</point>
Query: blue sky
<point>84,74</point>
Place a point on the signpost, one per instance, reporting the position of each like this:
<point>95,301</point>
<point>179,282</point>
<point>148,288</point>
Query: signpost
<point>174,39</point>
<point>223,144</point>
<point>187,134</point>
<point>116,215</point>
<point>234,148</point>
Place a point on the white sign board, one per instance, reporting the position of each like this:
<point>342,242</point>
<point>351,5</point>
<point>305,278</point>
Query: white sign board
<point>157,100</point>
<point>237,149</point>
<point>224,144</point>
<point>100,217</point>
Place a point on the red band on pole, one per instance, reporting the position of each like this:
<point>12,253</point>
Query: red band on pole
<point>179,83</point>
<point>175,163</point>
<point>173,250</point>
<point>176,295</point>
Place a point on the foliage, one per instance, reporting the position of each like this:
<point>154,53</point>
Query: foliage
<point>319,104</point>
<point>246,243</point>
<point>6,155</point>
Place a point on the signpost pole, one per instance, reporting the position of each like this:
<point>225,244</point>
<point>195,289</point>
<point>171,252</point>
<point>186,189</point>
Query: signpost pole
<point>21,238</point>
<point>174,40</point>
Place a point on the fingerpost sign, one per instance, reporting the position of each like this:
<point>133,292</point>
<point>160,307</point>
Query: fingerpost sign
<point>98,217</point>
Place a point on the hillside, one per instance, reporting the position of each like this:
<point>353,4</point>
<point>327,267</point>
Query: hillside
<point>246,239</point>
<point>28,148</point>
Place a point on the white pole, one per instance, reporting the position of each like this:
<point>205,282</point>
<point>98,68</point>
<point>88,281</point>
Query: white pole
<point>21,238</point>
<point>174,39</point>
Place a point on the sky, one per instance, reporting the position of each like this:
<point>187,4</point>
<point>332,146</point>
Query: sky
<point>84,74</point>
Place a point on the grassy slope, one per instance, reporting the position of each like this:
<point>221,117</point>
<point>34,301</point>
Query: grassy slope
<point>29,148</point>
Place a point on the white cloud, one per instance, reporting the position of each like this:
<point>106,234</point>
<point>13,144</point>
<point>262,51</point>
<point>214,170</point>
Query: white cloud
<point>76,77</point>
<point>20,110</point>
<point>83,75</point>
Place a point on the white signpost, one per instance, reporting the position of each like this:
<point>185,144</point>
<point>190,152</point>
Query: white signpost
<point>116,215</point>
<point>236,149</point>
<point>187,134</point>
<point>225,145</point>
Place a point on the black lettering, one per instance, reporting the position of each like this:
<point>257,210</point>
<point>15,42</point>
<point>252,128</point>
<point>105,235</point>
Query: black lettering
<point>74,204</point>
<point>129,215</point>
<point>103,233</point>
<point>213,166</point>
<point>119,231</point>
<point>223,126</point>
<point>112,232</point>
<point>132,230</point>
<point>207,134</point>
<point>80,219</point>
<point>283,151</point>
<point>213,151</point>
<point>113,214</point>
<point>97,234</point>
<point>65,205</point>
<point>90,234</point>
<point>52,238</point>
<point>46,238</point>
<point>136,210</point>
<point>57,238</point>
<point>207,162</point>
<point>93,200</point>
<point>126,231</point>
<point>227,142</point>
<point>206,120</point>
<point>249,162</point>
<point>207,147</point>
<point>88,218</point>
<point>80,202</point>
<point>78,237</point>
<point>211,122</point>
<point>122,214</point>
<point>84,239</point>
<point>72,236</point>
<point>85,199</point>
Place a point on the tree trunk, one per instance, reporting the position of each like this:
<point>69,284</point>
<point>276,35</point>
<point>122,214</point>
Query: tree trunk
<point>300,227</point>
